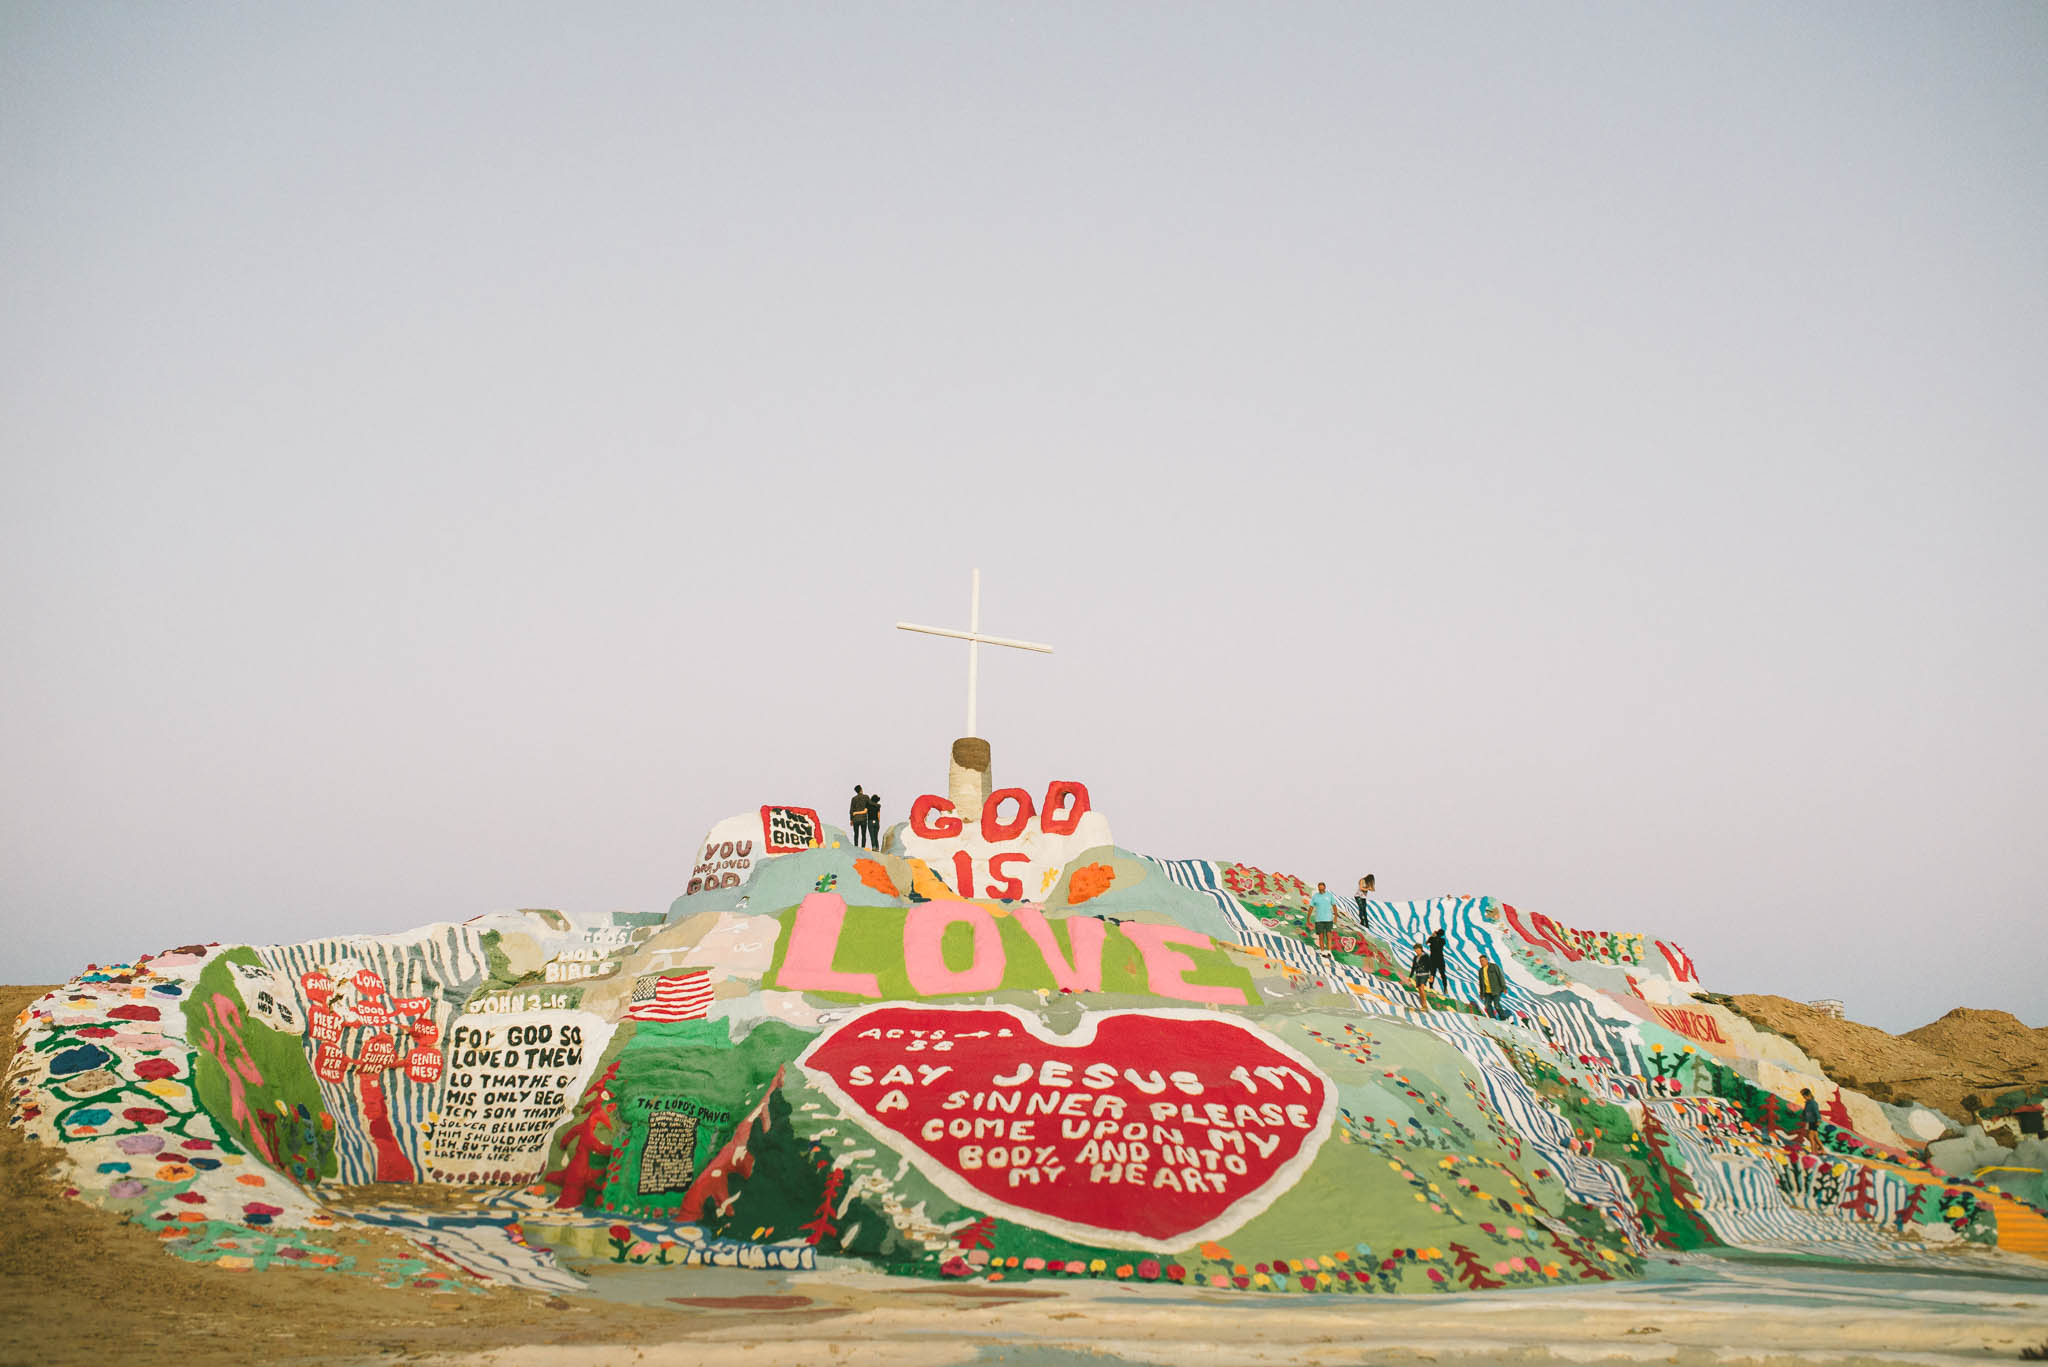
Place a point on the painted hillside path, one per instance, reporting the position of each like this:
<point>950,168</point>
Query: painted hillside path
<point>998,1057</point>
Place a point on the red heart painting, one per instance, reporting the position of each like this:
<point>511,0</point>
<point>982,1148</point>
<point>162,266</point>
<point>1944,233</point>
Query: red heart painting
<point>1141,1129</point>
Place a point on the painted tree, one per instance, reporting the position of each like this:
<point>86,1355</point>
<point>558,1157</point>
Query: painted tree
<point>711,1195</point>
<point>820,1225</point>
<point>980,1234</point>
<point>587,1144</point>
<point>1910,1211</point>
<point>1838,1112</point>
<point>1860,1199</point>
<point>1587,1266</point>
<point>1665,1195</point>
<point>1471,1271</point>
<point>1649,1207</point>
<point>779,1185</point>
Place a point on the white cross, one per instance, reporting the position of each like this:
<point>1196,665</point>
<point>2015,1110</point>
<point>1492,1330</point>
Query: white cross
<point>975,641</point>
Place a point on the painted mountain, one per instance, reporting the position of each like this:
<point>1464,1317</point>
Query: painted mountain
<point>998,1047</point>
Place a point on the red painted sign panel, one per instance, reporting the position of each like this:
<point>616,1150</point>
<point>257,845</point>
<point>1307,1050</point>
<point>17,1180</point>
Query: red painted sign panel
<point>1142,1129</point>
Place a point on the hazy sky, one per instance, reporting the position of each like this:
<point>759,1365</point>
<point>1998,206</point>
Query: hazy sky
<point>1592,455</point>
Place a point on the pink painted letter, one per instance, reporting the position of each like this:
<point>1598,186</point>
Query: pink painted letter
<point>1167,969</point>
<point>813,940</point>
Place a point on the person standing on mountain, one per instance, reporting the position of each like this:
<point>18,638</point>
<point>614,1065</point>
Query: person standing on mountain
<point>1365,891</point>
<point>874,821</point>
<point>1436,959</point>
<point>1492,982</point>
<point>1809,1122</point>
<point>1322,912</point>
<point>1419,970</point>
<point>857,814</point>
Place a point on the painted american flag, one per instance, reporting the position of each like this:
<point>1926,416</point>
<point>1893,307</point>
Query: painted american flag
<point>671,996</point>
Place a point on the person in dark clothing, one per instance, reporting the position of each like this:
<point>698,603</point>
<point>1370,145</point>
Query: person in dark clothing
<point>1809,1122</point>
<point>857,814</point>
<point>1436,959</point>
<point>1492,982</point>
<point>1419,967</point>
<point>1365,891</point>
<point>874,821</point>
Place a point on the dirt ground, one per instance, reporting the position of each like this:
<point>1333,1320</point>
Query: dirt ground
<point>1966,1052</point>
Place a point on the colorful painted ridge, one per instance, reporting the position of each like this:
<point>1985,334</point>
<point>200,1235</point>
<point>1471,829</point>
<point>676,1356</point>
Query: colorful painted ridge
<point>1128,1068</point>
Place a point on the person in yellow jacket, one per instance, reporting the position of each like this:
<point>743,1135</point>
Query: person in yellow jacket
<point>1492,983</point>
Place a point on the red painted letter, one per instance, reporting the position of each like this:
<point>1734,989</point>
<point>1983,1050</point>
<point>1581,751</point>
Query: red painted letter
<point>993,829</point>
<point>921,822</point>
<point>1009,889</point>
<point>1076,797</point>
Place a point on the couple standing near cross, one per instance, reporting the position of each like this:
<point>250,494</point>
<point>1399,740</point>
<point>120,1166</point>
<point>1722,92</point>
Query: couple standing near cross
<point>866,815</point>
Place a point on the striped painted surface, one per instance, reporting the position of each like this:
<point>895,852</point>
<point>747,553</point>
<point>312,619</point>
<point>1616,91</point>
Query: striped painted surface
<point>1733,1167</point>
<point>1467,935</point>
<point>444,966</point>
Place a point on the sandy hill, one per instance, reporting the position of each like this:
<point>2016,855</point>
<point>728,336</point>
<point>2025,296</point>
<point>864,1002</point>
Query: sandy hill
<point>1967,1052</point>
<point>1996,1041</point>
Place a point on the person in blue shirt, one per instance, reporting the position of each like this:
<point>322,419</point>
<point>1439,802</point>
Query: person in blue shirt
<point>1322,910</point>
